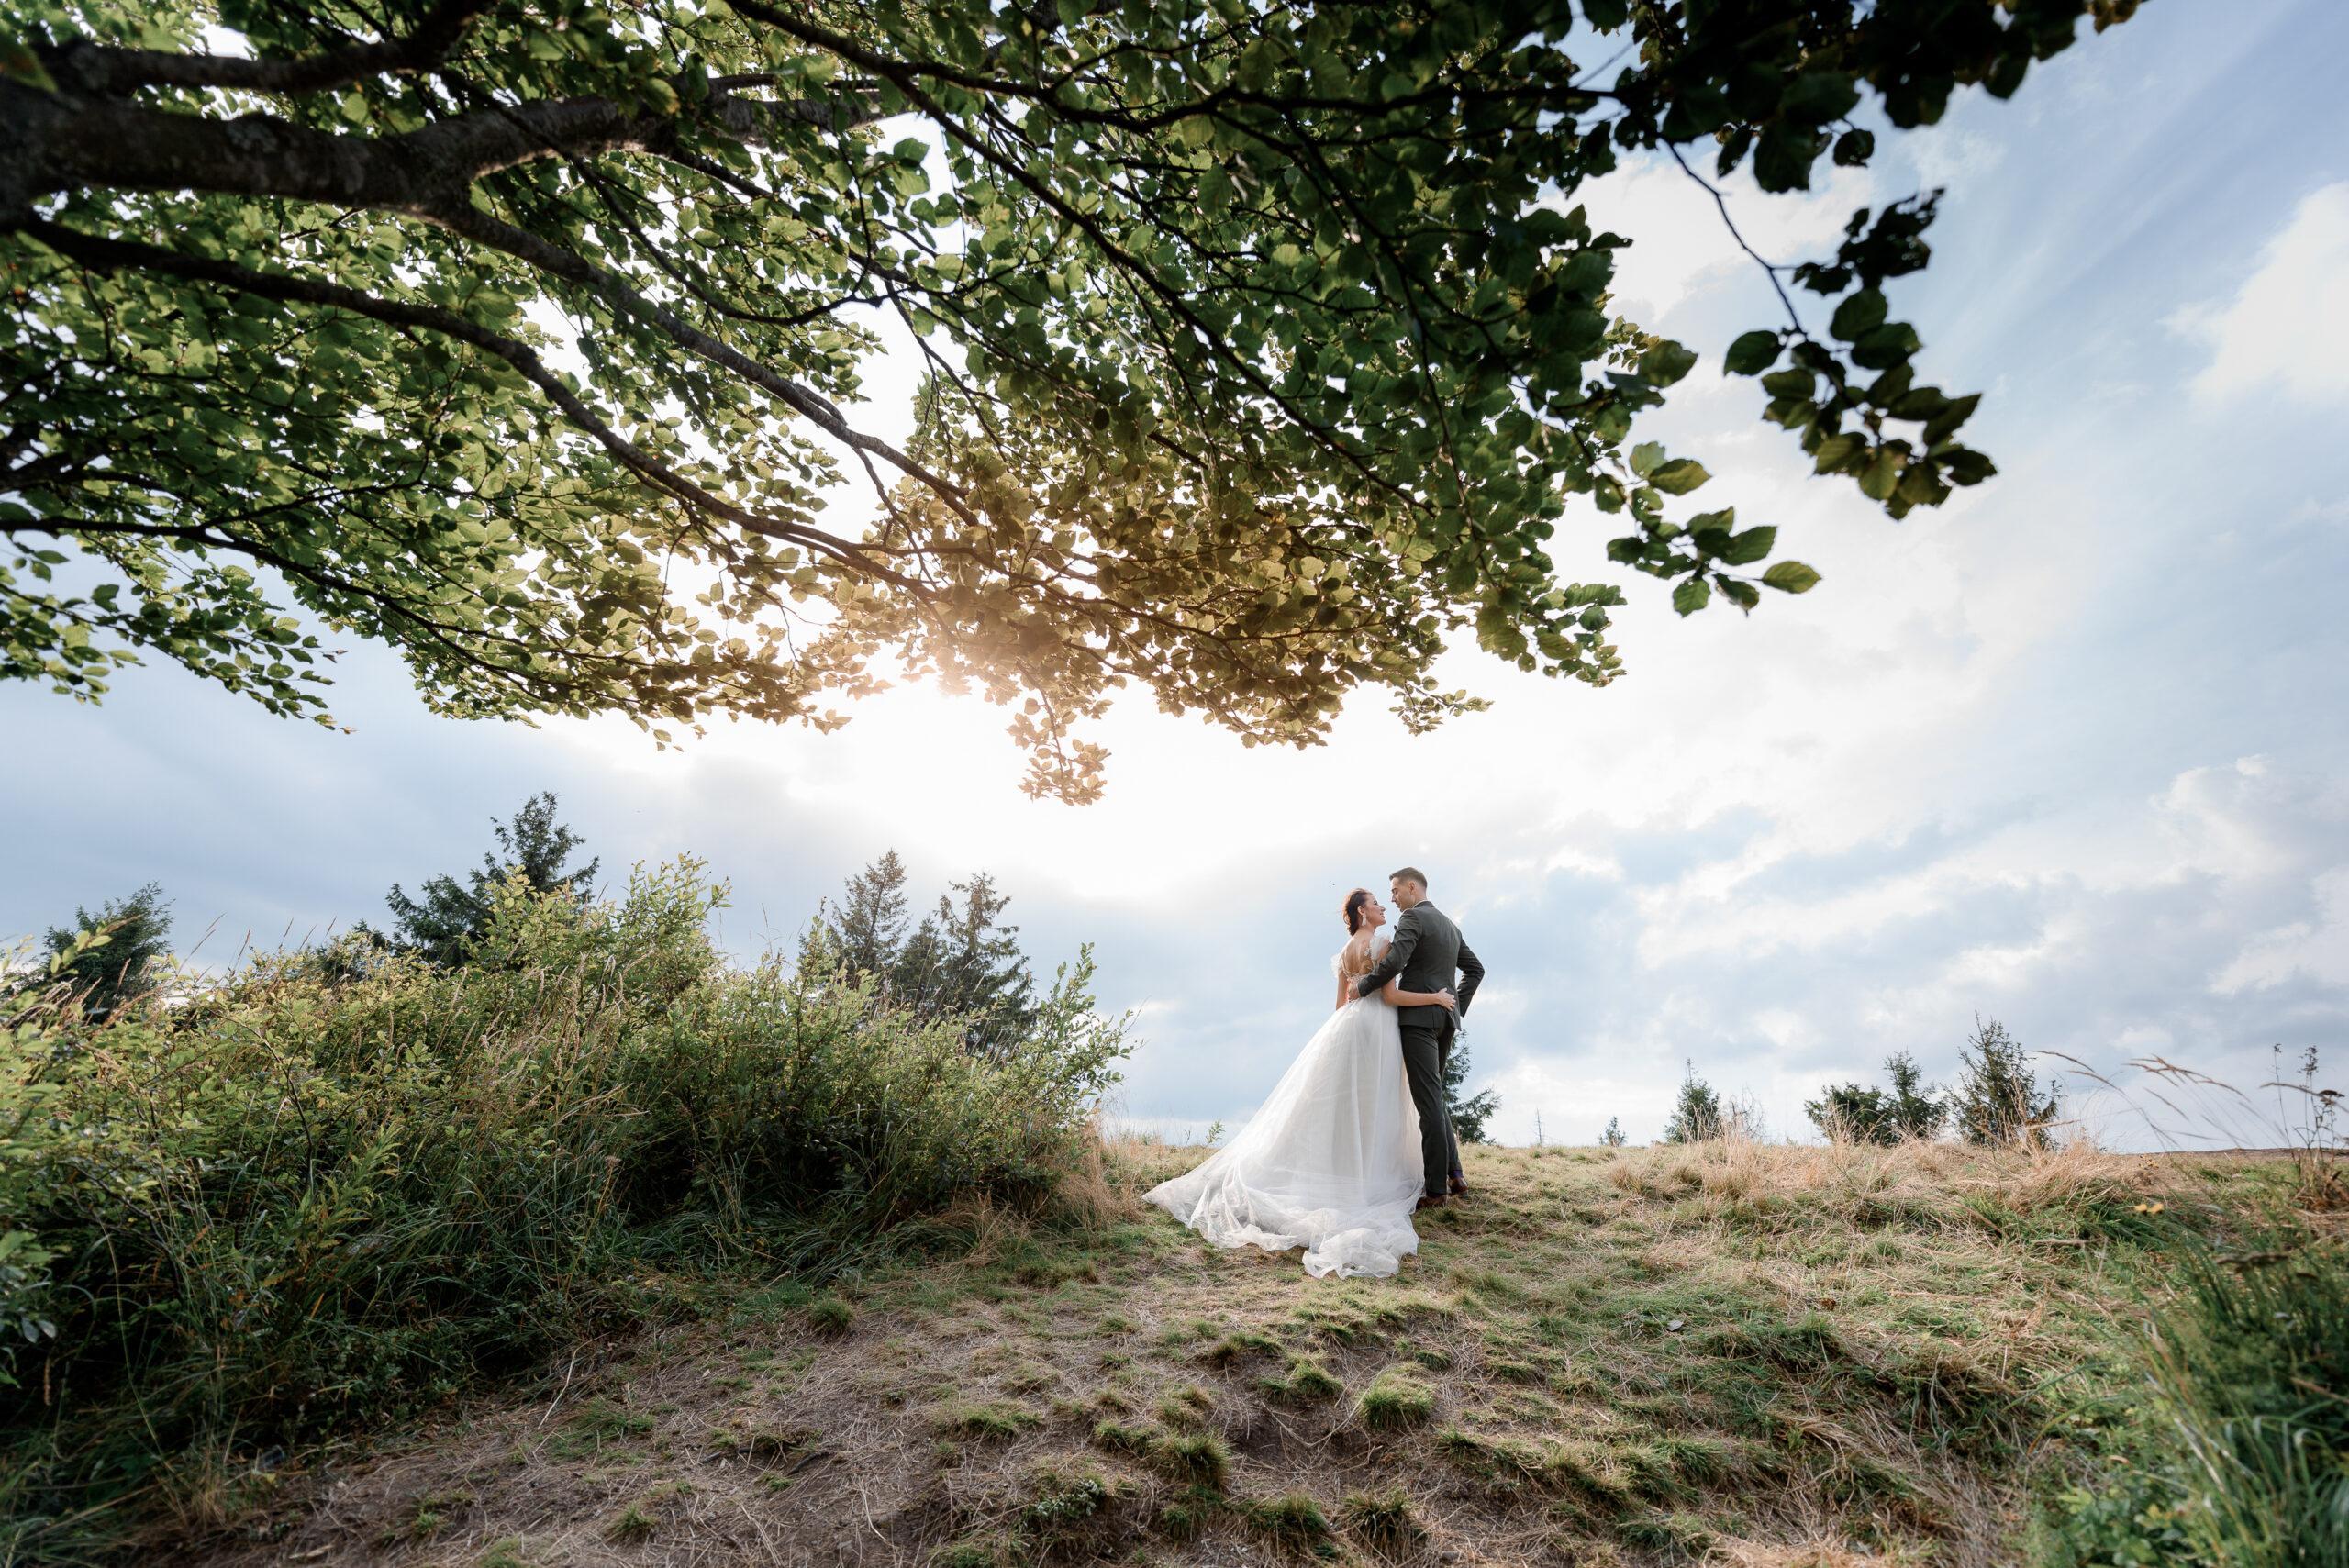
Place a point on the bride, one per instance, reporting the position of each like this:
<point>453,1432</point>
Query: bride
<point>1332,1162</point>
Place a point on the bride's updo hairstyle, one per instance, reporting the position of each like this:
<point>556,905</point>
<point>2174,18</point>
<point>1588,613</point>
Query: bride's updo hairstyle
<point>1354,901</point>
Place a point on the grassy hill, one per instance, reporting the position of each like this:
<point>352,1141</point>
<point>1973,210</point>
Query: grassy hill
<point>1728,1352</point>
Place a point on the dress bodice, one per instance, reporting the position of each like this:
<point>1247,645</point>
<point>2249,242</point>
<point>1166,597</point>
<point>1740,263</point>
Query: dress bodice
<point>1356,963</point>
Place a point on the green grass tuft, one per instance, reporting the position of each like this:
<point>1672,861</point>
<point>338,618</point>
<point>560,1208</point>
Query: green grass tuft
<point>1201,1458</point>
<point>632,1524</point>
<point>1187,1515</point>
<point>1118,1439</point>
<point>1384,1518</point>
<point>830,1316</point>
<point>1293,1521</point>
<point>1308,1382</point>
<point>1185,1407</point>
<point>985,1420</point>
<point>1395,1400</point>
<point>1240,1346</point>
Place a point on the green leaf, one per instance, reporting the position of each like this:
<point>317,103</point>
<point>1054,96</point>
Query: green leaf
<point>1791,577</point>
<point>1645,456</point>
<point>1752,353</point>
<point>1858,313</point>
<point>1691,595</point>
<point>1837,449</point>
<point>1783,157</point>
<point>1667,363</point>
<point>1790,384</point>
<point>1817,97</point>
<point>1881,474</point>
<point>1943,425</point>
<point>1881,348</point>
<point>1679,476</point>
<point>1749,545</point>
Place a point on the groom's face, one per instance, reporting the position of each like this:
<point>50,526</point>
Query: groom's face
<point>1406,894</point>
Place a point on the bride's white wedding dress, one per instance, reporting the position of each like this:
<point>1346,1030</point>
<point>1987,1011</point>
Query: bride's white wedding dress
<point>1331,1163</point>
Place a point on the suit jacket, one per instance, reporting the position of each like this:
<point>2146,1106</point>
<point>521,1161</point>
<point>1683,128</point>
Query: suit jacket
<point>1426,953</point>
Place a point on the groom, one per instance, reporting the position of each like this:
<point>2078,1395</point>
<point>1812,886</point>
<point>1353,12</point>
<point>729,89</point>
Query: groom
<point>1426,953</point>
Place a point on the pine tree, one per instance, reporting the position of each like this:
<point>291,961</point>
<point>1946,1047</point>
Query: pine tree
<point>1849,1112</point>
<point>961,960</point>
<point>1997,1098</point>
<point>1613,1136</point>
<point>129,936</point>
<point>964,960</point>
<point>1698,1116</point>
<point>866,934</point>
<point>443,923</point>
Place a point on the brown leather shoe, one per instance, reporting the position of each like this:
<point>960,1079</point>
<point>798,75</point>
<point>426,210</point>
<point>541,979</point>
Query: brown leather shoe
<point>1459,1187</point>
<point>1433,1200</point>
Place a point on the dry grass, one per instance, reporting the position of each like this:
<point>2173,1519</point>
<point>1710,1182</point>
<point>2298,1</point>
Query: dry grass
<point>1745,1354</point>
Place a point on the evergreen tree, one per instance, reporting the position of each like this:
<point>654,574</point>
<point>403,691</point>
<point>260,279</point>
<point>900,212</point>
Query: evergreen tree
<point>864,935</point>
<point>1698,1116</point>
<point>450,916</point>
<point>1997,1098</point>
<point>1613,1136</point>
<point>1468,1115</point>
<point>1850,1113</point>
<point>127,937</point>
<point>963,959</point>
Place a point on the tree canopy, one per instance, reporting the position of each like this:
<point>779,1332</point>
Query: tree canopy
<point>103,960</point>
<point>1268,347</point>
<point>448,920</point>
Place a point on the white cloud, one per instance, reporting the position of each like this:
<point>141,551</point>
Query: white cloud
<point>2289,323</point>
<point>1682,247</point>
<point>2315,948</point>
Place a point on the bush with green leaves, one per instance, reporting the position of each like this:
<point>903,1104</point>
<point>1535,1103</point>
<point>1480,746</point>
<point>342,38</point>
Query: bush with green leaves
<point>1847,1113</point>
<point>320,1193</point>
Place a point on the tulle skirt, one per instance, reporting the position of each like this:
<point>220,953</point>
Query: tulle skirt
<point>1331,1162</point>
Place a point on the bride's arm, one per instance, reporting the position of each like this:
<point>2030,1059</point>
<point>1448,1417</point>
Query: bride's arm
<point>1345,992</point>
<point>1396,997</point>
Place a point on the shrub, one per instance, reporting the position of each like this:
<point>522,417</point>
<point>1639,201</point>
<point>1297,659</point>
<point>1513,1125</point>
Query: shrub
<point>1850,1114</point>
<point>325,1193</point>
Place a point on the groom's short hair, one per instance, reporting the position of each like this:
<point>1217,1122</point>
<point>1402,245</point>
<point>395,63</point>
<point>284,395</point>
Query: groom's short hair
<point>1409,874</point>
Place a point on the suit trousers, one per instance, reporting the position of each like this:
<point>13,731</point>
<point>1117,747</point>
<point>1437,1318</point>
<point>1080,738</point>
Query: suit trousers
<point>1423,1066</point>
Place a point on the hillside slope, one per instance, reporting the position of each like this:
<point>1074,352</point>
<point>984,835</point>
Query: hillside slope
<point>1745,1354</point>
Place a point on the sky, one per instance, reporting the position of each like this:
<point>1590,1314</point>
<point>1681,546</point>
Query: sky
<point>2071,752</point>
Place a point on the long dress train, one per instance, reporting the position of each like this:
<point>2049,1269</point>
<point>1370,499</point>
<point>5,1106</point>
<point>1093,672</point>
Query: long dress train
<point>1330,1163</point>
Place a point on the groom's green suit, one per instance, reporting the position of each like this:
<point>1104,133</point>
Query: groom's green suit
<point>1426,954</point>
